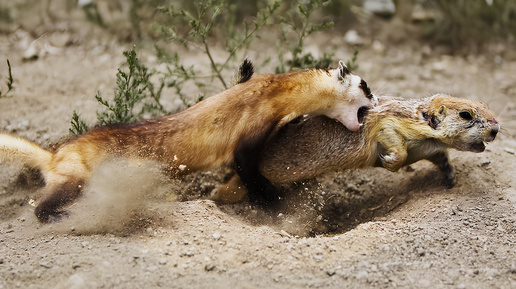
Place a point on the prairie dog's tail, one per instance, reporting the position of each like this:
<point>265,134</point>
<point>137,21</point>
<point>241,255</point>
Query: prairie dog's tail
<point>14,150</point>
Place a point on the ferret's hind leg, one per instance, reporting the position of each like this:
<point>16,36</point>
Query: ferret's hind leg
<point>50,207</point>
<point>246,157</point>
<point>56,197</point>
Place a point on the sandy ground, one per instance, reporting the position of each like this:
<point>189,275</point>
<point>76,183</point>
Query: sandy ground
<point>359,229</point>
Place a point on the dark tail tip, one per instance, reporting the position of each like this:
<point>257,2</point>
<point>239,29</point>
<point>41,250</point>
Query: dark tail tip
<point>245,71</point>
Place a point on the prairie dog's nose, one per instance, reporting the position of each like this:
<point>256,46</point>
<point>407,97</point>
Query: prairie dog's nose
<point>495,128</point>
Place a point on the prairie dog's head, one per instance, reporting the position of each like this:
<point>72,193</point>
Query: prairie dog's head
<point>352,94</point>
<point>461,123</point>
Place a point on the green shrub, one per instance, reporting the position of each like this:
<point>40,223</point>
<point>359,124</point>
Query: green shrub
<point>9,82</point>
<point>136,96</point>
<point>298,24</point>
<point>475,22</point>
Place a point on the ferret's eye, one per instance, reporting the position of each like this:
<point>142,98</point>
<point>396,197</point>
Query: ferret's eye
<point>466,115</point>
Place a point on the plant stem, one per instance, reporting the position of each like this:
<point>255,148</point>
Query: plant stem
<point>213,65</point>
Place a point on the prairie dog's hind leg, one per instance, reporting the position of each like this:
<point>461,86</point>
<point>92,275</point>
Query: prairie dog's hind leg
<point>441,160</point>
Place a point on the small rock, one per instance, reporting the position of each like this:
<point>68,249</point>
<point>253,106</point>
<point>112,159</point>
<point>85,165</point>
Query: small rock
<point>362,275</point>
<point>513,267</point>
<point>379,47</point>
<point>152,268</point>
<point>384,8</point>
<point>45,265</point>
<point>492,272</point>
<point>509,150</point>
<point>188,253</point>
<point>352,38</point>
<point>75,281</point>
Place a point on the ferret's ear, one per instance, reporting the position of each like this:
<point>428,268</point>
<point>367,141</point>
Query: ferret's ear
<point>343,70</point>
<point>432,120</point>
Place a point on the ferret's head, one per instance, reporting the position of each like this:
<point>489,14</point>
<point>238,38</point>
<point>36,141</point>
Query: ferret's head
<point>353,95</point>
<point>462,124</point>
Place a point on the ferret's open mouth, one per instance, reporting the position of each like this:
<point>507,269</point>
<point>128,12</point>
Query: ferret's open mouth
<point>362,113</point>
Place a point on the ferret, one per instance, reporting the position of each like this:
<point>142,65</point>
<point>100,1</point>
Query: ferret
<point>228,129</point>
<point>396,133</point>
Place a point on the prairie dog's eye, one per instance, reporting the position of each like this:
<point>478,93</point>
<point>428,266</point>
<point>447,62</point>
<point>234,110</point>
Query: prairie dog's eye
<point>466,115</point>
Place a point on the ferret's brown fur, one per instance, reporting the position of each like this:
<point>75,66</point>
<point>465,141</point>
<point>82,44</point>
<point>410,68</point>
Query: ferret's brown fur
<point>212,133</point>
<point>396,133</point>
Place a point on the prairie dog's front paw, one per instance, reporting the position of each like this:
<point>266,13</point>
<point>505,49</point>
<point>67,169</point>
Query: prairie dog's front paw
<point>390,162</point>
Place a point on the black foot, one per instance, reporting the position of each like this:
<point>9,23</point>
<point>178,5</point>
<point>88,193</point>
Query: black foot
<point>262,192</point>
<point>54,217</point>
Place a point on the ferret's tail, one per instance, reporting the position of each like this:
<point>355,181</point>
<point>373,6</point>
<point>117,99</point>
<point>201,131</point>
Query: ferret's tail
<point>18,151</point>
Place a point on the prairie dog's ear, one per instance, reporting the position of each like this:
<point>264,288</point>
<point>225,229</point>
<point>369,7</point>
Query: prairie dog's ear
<point>443,110</point>
<point>343,70</point>
<point>432,120</point>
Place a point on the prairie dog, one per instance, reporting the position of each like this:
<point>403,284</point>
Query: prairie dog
<point>228,129</point>
<point>396,133</point>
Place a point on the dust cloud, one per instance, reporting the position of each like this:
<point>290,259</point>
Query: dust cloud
<point>115,198</point>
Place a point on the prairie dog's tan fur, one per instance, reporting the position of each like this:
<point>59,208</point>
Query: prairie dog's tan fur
<point>227,129</point>
<point>396,133</point>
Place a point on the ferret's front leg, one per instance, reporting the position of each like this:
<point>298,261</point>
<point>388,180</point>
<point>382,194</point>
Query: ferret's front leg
<point>232,191</point>
<point>396,149</point>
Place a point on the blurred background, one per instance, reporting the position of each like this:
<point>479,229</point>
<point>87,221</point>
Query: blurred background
<point>190,49</point>
<point>456,26</point>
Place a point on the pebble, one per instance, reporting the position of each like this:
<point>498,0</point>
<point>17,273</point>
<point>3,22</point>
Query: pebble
<point>362,275</point>
<point>353,38</point>
<point>76,281</point>
<point>20,126</point>
<point>45,265</point>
